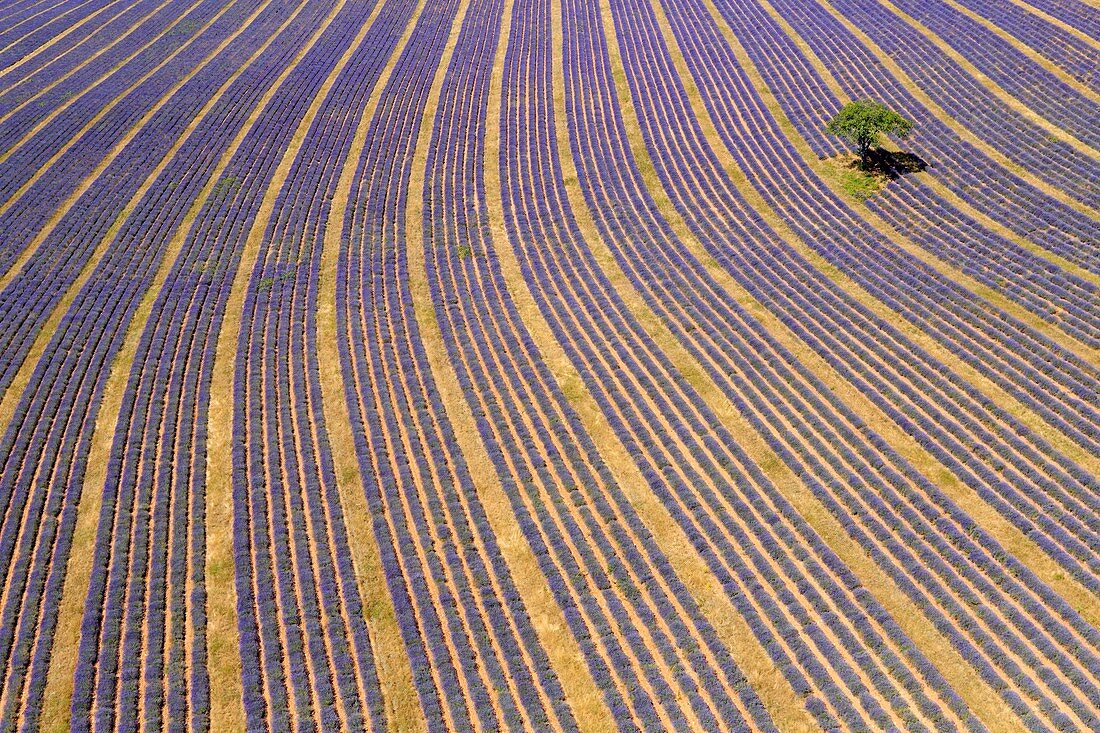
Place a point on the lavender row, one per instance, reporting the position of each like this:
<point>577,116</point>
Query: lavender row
<point>1029,366</point>
<point>19,10</point>
<point>282,510</point>
<point>809,103</point>
<point>1060,298</point>
<point>638,231</point>
<point>167,62</point>
<point>64,50</point>
<point>64,252</point>
<point>94,56</point>
<point>27,33</point>
<point>629,226</point>
<point>535,696</point>
<point>169,385</point>
<point>422,629</point>
<point>89,335</point>
<point>17,14</point>
<point>1046,377</point>
<point>788,287</point>
<point>755,498</point>
<point>442,520</point>
<point>1079,15</point>
<point>634,619</point>
<point>806,99</point>
<point>1012,70</point>
<point>1072,54</point>
<point>280,397</point>
<point>969,102</point>
<point>969,173</point>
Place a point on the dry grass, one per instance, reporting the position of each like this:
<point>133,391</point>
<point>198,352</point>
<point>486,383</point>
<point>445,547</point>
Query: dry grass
<point>75,137</point>
<point>1001,529</point>
<point>916,626</point>
<point>554,634</point>
<point>583,695</point>
<point>74,28</point>
<point>392,664</point>
<point>223,657</point>
<point>1063,75</point>
<point>59,685</point>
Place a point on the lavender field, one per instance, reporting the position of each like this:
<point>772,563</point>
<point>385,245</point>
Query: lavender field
<point>545,365</point>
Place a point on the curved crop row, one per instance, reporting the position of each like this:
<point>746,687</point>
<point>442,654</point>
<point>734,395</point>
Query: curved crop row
<point>70,161</point>
<point>1062,299</point>
<point>807,101</point>
<point>42,81</point>
<point>803,422</point>
<point>29,31</point>
<point>1080,15</point>
<point>526,365</point>
<point>45,447</point>
<point>1008,67</point>
<point>1004,462</point>
<point>288,510</point>
<point>726,506</point>
<point>968,101</point>
<point>143,651</point>
<point>637,623</point>
<point>63,251</point>
<point>1044,376</point>
<point>958,164</point>
<point>477,662</point>
<point>1071,53</point>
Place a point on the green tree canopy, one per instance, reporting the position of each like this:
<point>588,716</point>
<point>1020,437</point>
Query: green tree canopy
<point>863,121</point>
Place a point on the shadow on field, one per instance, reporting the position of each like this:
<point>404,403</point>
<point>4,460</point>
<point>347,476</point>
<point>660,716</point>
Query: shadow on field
<point>893,165</point>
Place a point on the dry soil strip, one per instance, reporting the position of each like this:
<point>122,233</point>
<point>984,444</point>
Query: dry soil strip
<point>14,392</point>
<point>977,695</point>
<point>60,36</point>
<point>1002,530</point>
<point>1038,58</point>
<point>945,269</point>
<point>992,85</point>
<point>125,140</point>
<point>227,712</point>
<point>91,59</point>
<point>713,603</point>
<point>64,206</point>
<point>59,686</point>
<point>929,180</point>
<point>1055,21</point>
<point>403,712</point>
<point>584,697</point>
<point>946,118</point>
<point>1058,440</point>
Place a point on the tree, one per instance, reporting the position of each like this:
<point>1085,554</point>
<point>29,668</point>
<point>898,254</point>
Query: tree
<point>862,123</point>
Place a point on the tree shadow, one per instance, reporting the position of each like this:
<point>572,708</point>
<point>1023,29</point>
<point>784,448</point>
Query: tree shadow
<point>892,165</point>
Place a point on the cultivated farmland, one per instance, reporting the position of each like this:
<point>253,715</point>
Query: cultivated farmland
<point>546,365</point>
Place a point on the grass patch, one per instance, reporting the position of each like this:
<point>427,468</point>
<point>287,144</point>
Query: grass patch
<point>184,28</point>
<point>845,174</point>
<point>227,186</point>
<point>858,184</point>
